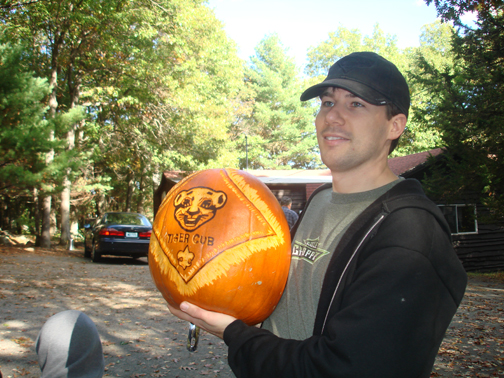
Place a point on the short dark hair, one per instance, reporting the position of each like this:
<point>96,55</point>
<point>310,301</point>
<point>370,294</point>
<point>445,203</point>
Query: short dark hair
<point>285,201</point>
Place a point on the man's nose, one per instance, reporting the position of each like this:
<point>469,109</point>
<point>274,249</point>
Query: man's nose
<point>335,115</point>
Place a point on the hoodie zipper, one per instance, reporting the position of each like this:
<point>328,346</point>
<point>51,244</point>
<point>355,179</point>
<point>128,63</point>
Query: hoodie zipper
<point>378,221</point>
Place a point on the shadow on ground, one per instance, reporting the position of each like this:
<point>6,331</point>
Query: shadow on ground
<point>139,336</point>
<point>141,339</point>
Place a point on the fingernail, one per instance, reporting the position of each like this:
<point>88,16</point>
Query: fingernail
<point>184,306</point>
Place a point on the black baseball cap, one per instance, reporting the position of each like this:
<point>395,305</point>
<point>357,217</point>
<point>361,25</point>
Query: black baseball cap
<point>368,76</point>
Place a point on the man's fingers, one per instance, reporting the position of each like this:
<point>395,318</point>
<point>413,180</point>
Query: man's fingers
<point>193,311</point>
<point>180,314</point>
<point>212,322</point>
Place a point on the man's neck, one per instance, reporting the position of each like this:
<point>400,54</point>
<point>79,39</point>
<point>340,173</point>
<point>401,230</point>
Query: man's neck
<point>356,182</point>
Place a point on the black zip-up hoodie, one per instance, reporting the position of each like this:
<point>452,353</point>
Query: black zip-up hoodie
<point>388,296</point>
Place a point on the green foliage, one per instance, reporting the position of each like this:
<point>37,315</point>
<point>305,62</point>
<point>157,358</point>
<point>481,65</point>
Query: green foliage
<point>141,87</point>
<point>416,138</point>
<point>160,84</point>
<point>466,107</point>
<point>26,136</point>
<point>344,41</point>
<point>24,129</point>
<point>171,103</point>
<point>280,128</point>
<point>453,10</point>
<point>435,47</point>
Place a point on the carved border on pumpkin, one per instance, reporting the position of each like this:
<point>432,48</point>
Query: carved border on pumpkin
<point>233,256</point>
<point>210,272</point>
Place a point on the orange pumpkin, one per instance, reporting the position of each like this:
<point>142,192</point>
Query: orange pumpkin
<point>220,240</point>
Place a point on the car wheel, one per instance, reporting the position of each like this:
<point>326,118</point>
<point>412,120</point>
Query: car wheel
<point>95,255</point>
<point>87,252</point>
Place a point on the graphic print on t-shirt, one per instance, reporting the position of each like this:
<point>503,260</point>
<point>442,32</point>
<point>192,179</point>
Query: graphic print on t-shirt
<point>308,250</point>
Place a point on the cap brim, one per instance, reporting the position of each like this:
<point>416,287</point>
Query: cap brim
<point>360,90</point>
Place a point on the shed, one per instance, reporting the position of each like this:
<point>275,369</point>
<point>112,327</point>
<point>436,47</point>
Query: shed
<point>296,184</point>
<point>478,243</point>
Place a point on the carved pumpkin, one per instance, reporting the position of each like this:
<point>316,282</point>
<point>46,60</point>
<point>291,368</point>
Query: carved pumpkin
<point>220,240</point>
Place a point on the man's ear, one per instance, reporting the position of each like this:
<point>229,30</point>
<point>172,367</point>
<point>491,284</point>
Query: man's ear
<point>398,124</point>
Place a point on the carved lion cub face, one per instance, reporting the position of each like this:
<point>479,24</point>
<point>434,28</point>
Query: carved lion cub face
<point>197,206</point>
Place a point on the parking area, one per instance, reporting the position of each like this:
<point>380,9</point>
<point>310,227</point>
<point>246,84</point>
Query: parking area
<point>141,339</point>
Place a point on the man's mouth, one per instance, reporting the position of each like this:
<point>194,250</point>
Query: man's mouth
<point>334,138</point>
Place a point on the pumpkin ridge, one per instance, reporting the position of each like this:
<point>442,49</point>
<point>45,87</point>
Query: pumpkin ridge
<point>256,204</point>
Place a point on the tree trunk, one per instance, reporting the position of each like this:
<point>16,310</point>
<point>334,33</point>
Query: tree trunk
<point>65,210</point>
<point>140,200</point>
<point>36,215</point>
<point>129,193</point>
<point>67,185</point>
<point>45,234</point>
<point>54,216</point>
<point>100,204</point>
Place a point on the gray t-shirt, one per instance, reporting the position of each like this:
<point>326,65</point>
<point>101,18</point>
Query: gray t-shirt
<point>327,218</point>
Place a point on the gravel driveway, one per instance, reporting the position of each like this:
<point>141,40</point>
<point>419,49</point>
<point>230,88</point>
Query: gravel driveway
<point>141,339</point>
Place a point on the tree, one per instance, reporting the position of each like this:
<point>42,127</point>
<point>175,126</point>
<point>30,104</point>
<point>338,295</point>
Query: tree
<point>344,41</point>
<point>453,10</point>
<point>280,132</point>
<point>159,82</point>
<point>417,137</point>
<point>467,106</point>
<point>173,98</point>
<point>62,34</point>
<point>25,126</point>
<point>23,132</point>
<point>435,47</point>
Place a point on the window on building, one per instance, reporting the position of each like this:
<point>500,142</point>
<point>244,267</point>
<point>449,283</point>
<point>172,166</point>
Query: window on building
<point>461,218</point>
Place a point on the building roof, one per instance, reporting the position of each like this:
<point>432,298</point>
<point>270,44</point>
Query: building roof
<point>293,176</point>
<point>287,176</point>
<point>402,165</point>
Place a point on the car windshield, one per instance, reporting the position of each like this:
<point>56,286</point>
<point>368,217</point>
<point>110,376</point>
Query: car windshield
<point>126,218</point>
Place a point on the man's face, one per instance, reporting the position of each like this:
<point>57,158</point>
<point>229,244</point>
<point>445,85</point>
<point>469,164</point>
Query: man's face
<point>352,134</point>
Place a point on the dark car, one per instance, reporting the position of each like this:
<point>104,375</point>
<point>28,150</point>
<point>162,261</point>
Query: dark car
<point>120,234</point>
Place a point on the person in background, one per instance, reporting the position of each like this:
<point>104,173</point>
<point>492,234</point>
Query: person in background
<point>290,215</point>
<point>68,346</point>
<point>374,280</point>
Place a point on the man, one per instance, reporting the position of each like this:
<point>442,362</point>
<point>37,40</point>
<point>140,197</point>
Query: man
<point>385,282</point>
<point>290,215</point>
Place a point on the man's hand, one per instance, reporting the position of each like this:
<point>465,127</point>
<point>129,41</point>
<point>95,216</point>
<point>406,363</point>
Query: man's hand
<point>212,322</point>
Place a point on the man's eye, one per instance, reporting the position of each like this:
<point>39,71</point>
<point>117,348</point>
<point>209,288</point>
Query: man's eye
<point>327,104</point>
<point>357,104</point>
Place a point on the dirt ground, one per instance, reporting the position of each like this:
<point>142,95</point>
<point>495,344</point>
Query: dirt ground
<point>141,339</point>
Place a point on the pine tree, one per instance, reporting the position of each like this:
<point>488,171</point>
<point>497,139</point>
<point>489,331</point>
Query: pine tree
<point>280,129</point>
<point>23,126</point>
<point>467,107</point>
